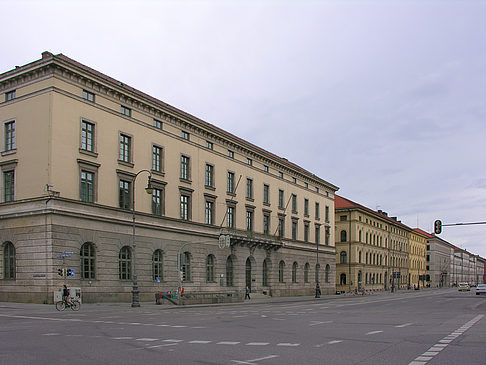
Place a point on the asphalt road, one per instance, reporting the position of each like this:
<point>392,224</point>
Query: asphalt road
<point>411,327</point>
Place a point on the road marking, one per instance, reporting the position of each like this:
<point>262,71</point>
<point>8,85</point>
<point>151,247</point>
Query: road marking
<point>403,325</point>
<point>251,362</point>
<point>288,344</point>
<point>257,343</point>
<point>228,343</point>
<point>315,323</point>
<point>170,340</point>
<point>200,342</point>
<point>146,339</point>
<point>51,334</point>
<point>373,332</point>
<point>334,341</point>
<point>434,350</point>
<point>164,345</point>
<point>122,338</point>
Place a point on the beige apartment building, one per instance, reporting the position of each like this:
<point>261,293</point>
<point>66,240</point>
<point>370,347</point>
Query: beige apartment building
<point>372,249</point>
<point>79,149</point>
<point>418,253</point>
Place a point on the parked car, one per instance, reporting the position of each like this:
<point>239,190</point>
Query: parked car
<point>481,289</point>
<point>463,287</point>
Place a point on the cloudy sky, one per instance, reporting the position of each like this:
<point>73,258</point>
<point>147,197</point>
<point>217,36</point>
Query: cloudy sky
<point>385,99</point>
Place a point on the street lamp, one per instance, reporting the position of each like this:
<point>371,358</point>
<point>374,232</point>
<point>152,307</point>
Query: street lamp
<point>149,190</point>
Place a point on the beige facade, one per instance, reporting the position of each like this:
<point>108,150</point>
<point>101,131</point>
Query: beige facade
<point>370,247</point>
<point>418,250</point>
<point>76,141</point>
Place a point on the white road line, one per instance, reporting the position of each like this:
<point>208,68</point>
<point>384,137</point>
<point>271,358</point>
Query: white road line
<point>171,340</point>
<point>373,332</point>
<point>146,339</point>
<point>403,325</point>
<point>164,345</point>
<point>335,341</point>
<point>228,343</point>
<point>251,362</point>
<point>434,350</point>
<point>315,323</point>
<point>288,344</point>
<point>122,338</point>
<point>51,334</point>
<point>200,342</point>
<point>257,344</point>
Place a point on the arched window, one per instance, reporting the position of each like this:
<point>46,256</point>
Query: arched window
<point>265,273</point>
<point>318,269</point>
<point>366,237</point>
<point>157,265</point>
<point>367,258</point>
<point>125,263</point>
<point>328,271</point>
<point>9,261</point>
<point>306,272</point>
<point>210,268</point>
<point>343,236</point>
<point>281,268</point>
<point>87,258</point>
<point>186,267</point>
<point>342,280</point>
<point>359,257</point>
<point>359,236</point>
<point>343,257</point>
<point>294,272</point>
<point>229,272</point>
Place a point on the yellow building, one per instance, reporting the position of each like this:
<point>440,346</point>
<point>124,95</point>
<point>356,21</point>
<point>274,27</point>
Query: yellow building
<point>74,143</point>
<point>418,253</point>
<point>371,249</point>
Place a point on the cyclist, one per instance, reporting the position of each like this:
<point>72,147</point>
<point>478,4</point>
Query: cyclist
<point>65,295</point>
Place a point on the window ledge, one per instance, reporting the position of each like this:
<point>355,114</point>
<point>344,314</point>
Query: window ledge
<point>124,163</point>
<point>9,152</point>
<point>89,153</point>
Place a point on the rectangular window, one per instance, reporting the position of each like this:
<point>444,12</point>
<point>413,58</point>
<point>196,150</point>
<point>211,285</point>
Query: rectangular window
<point>10,136</point>
<point>294,230</point>
<point>266,194</point>
<point>185,135</point>
<point>9,185</point>
<point>249,188</point>
<point>87,136</point>
<point>126,111</point>
<point>157,158</point>
<point>294,203</point>
<point>185,170</point>
<point>306,232</point>
<point>265,168</point>
<point>281,203</point>
<point>231,182</point>
<point>343,218</point>
<point>327,214</point>
<point>209,175</point>
<point>280,174</point>
<point>185,207</point>
<point>318,234</point>
<point>209,145</point>
<point>294,180</point>
<point>88,95</point>
<point>209,212</point>
<point>249,220</point>
<point>281,226</point>
<point>328,235</point>
<point>230,219</point>
<point>157,201</point>
<point>318,213</point>
<point>306,207</point>
<point>125,194</point>
<point>10,95</point>
<point>125,148</point>
<point>231,154</point>
<point>266,223</point>
<point>87,186</point>
<point>306,185</point>
<point>157,124</point>
<point>249,162</point>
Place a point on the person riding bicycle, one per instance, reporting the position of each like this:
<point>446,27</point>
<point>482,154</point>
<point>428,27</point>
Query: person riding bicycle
<point>65,295</point>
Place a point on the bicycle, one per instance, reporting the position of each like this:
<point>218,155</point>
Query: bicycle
<point>75,305</point>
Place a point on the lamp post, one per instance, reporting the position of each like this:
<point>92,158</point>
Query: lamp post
<point>149,190</point>
<point>318,289</point>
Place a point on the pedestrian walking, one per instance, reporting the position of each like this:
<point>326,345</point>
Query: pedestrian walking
<point>247,293</point>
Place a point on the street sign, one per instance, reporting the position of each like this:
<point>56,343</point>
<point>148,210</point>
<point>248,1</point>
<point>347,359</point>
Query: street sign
<point>157,279</point>
<point>69,252</point>
<point>62,256</point>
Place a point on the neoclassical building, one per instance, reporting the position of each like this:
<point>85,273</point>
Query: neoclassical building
<point>78,150</point>
<point>372,249</point>
<point>418,253</point>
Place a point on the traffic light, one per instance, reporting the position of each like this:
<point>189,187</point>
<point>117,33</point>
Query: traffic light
<point>437,227</point>
<point>59,272</point>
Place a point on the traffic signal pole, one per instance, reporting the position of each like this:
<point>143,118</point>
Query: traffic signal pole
<point>438,225</point>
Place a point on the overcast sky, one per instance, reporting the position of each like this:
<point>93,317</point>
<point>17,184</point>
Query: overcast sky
<point>385,99</point>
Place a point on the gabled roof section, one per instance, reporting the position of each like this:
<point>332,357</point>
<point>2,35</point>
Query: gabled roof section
<point>343,203</point>
<point>418,230</point>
